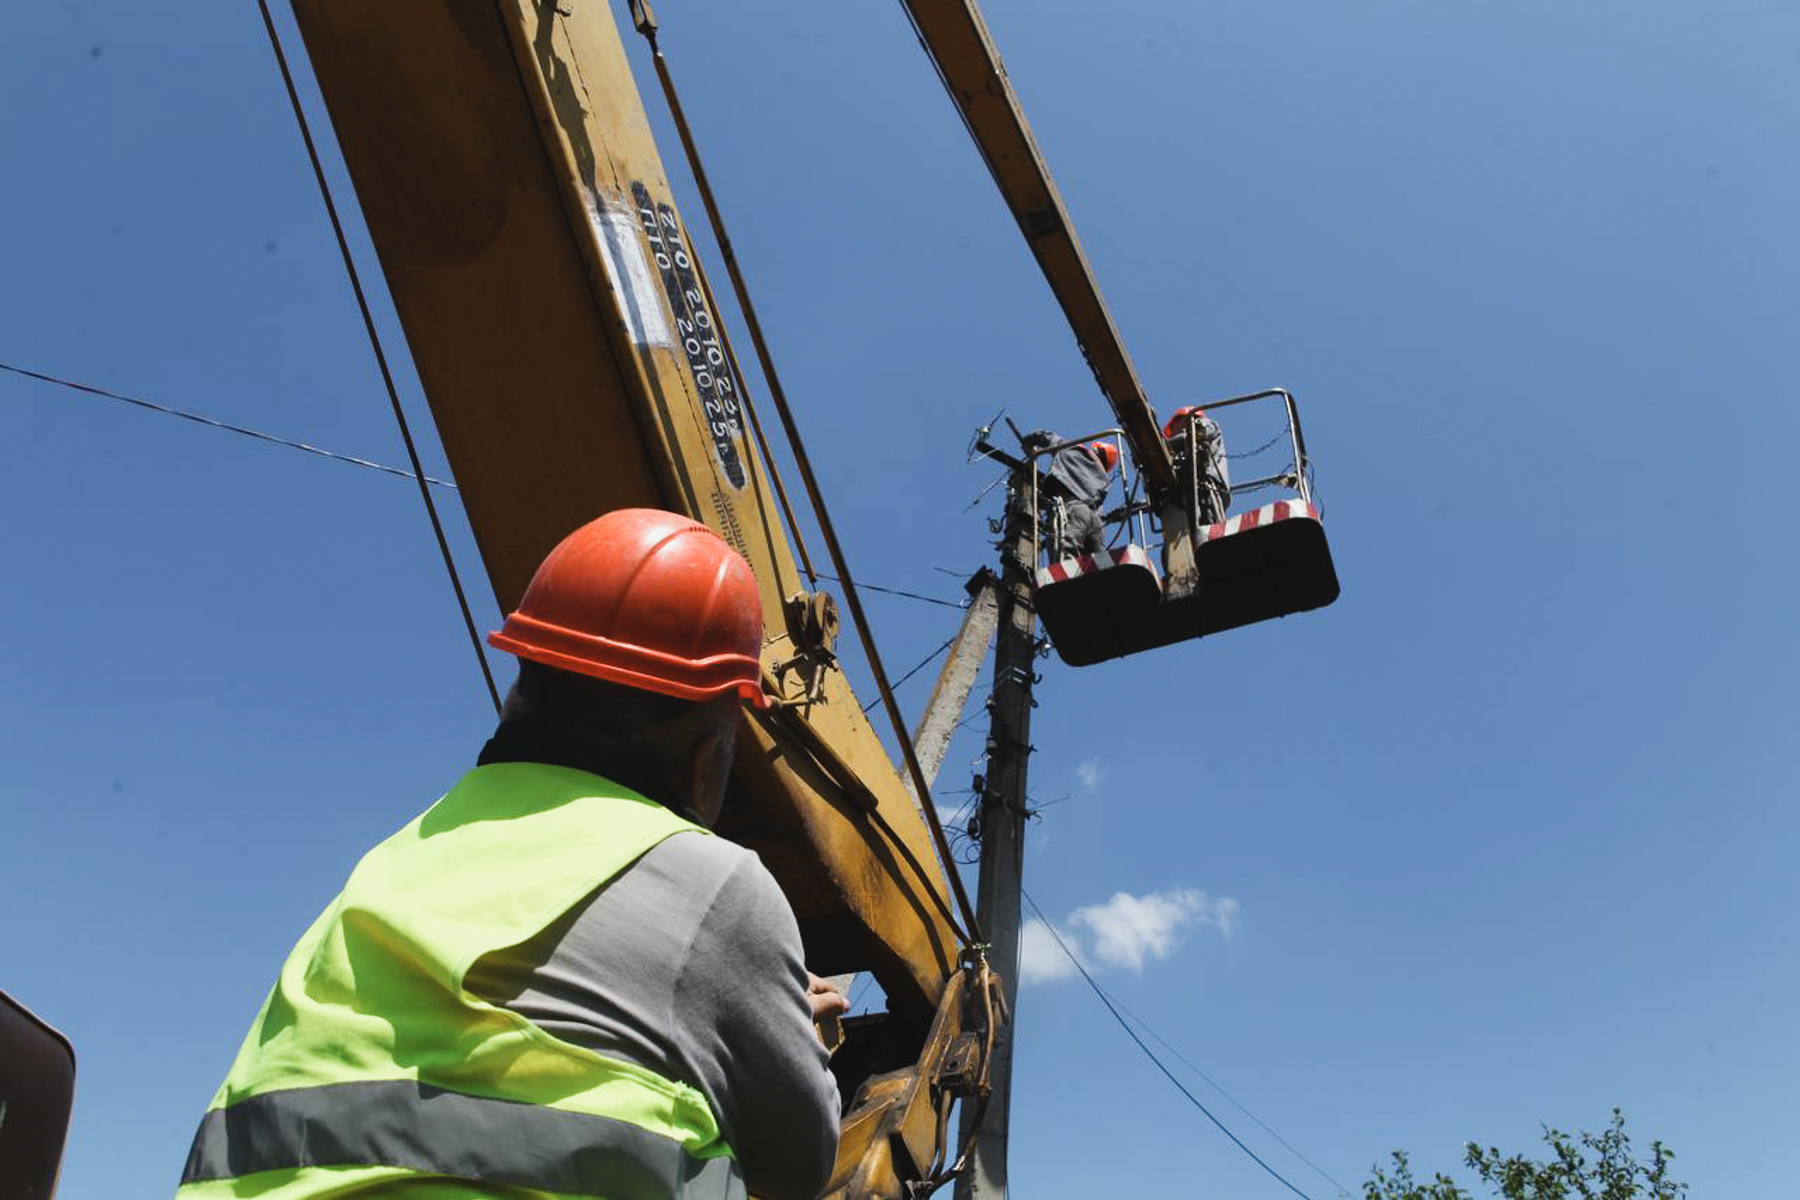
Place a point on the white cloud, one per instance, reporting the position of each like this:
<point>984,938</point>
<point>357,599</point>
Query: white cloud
<point>1221,914</point>
<point>1091,773</point>
<point>1041,960</point>
<point>1126,932</point>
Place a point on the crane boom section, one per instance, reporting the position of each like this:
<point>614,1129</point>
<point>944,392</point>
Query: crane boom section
<point>573,359</point>
<point>957,40</point>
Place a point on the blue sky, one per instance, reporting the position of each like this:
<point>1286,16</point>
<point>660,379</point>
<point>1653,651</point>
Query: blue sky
<point>1506,834</point>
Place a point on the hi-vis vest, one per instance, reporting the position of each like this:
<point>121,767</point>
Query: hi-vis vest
<point>372,1067</point>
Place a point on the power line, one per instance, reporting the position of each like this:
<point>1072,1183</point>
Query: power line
<point>201,419</point>
<point>870,587</point>
<point>1151,1054</point>
<point>981,710</point>
<point>1216,1086</point>
<point>920,666</point>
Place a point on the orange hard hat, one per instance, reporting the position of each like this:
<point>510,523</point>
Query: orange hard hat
<point>648,599</point>
<point>1108,453</point>
<point>1178,420</point>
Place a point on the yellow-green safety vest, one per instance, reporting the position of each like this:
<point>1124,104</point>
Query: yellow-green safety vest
<point>372,1068</point>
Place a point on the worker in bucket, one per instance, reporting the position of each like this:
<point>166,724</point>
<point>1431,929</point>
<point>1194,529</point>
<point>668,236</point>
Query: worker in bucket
<point>1074,485</point>
<point>1195,442</point>
<point>556,980</point>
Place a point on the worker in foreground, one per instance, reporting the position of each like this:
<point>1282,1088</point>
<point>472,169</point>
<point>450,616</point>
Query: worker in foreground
<point>556,981</point>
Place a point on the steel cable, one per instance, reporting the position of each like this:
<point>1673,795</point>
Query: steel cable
<point>387,376</point>
<point>969,931</point>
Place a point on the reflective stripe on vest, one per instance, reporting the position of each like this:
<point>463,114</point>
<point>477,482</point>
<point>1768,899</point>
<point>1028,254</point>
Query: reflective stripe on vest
<point>427,1130</point>
<point>371,1053</point>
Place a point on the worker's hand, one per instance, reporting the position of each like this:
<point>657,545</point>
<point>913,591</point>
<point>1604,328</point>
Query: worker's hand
<point>823,999</point>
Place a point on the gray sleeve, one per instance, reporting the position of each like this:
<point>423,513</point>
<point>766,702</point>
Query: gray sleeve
<point>743,1023</point>
<point>1081,475</point>
<point>689,963</point>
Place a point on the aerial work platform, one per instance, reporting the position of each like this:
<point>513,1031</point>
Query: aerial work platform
<point>1261,563</point>
<point>1268,562</point>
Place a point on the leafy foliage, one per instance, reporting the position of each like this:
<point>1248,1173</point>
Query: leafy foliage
<point>1589,1166</point>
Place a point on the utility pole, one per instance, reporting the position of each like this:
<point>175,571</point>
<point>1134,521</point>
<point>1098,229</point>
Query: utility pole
<point>1002,827</point>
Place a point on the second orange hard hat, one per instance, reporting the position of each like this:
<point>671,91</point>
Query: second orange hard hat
<point>1177,422</point>
<point>648,599</point>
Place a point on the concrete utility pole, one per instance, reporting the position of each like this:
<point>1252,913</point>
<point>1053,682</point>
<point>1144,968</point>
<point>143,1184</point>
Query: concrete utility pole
<point>1003,827</point>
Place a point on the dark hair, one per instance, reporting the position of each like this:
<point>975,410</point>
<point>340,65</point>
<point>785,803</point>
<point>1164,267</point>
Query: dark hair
<point>599,704</point>
<point>644,740</point>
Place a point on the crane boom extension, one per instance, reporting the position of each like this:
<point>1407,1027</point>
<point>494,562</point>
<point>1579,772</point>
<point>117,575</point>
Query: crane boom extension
<point>956,39</point>
<point>566,338</point>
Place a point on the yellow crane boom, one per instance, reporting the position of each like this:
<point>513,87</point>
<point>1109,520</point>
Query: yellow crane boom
<point>571,352</point>
<point>568,344</point>
<point>968,62</point>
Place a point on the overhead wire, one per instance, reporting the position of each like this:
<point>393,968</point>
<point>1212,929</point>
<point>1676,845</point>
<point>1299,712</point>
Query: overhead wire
<point>982,494</point>
<point>981,710</point>
<point>1151,1054</point>
<point>917,667</point>
<point>387,376</point>
<point>871,587</point>
<point>1235,1103</point>
<point>969,720</point>
<point>968,844</point>
<point>202,419</point>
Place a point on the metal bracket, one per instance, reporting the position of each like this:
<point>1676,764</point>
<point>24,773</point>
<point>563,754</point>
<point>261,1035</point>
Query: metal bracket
<point>812,629</point>
<point>894,1138</point>
<point>960,1071</point>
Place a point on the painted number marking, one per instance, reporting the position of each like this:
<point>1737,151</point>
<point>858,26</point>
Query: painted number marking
<point>696,330</point>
